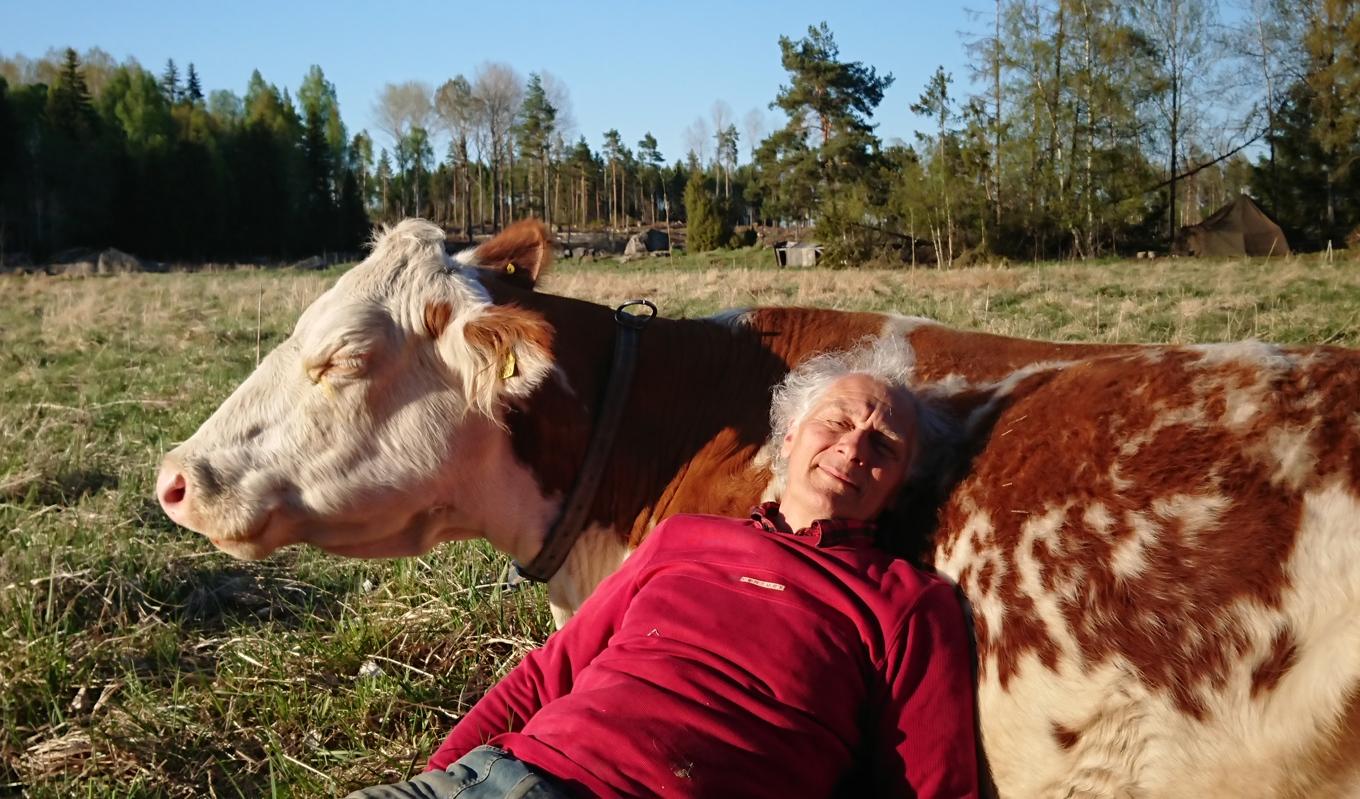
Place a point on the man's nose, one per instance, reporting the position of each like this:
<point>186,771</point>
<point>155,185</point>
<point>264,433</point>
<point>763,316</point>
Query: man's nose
<point>854,444</point>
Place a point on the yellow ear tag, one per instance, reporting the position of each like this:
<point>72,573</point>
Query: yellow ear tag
<point>327,389</point>
<point>509,269</point>
<point>509,370</point>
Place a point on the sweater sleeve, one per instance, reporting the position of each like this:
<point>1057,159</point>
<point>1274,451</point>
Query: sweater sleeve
<point>549,671</point>
<point>926,741</point>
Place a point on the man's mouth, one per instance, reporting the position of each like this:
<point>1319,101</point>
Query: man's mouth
<point>839,476</point>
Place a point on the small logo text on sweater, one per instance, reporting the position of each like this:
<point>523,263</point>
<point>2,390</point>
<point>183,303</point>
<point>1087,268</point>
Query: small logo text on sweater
<point>762,583</point>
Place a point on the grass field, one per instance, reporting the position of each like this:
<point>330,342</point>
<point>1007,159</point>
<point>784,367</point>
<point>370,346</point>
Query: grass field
<point>135,660</point>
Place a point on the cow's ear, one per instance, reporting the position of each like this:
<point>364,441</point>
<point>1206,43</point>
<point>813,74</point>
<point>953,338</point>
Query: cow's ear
<point>503,351</point>
<point>519,255</point>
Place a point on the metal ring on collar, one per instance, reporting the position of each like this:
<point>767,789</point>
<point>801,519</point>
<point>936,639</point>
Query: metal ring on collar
<point>635,321</point>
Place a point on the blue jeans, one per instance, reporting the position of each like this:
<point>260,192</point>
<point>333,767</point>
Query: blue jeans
<point>484,773</point>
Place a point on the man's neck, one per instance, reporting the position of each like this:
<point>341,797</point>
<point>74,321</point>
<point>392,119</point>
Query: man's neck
<point>796,518</point>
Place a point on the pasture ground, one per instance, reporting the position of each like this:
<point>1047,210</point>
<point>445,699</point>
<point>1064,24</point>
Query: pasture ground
<point>135,660</point>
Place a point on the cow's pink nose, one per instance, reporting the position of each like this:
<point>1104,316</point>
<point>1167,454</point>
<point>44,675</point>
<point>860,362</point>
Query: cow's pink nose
<point>171,490</point>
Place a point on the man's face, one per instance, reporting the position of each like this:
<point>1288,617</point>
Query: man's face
<point>849,454</point>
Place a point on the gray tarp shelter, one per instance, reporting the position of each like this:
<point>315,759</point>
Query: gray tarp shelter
<point>1238,228</point>
<point>798,253</point>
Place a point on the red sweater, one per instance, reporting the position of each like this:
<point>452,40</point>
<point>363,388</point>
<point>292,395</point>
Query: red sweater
<point>724,659</point>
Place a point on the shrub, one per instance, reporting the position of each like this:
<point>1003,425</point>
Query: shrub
<point>706,226</point>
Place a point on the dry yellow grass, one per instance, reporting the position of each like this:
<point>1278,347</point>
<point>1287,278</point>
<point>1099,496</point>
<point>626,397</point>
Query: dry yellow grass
<point>1294,300</point>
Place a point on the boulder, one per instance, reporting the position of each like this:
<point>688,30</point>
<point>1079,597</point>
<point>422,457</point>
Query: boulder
<point>116,262</point>
<point>635,248</point>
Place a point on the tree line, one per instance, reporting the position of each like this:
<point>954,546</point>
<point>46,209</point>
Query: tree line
<point>97,154</point>
<point>1094,127</point>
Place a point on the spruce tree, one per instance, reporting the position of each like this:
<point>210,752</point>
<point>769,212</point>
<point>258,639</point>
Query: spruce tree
<point>193,90</point>
<point>354,224</point>
<point>318,94</point>
<point>170,81</point>
<point>69,108</point>
<point>318,197</point>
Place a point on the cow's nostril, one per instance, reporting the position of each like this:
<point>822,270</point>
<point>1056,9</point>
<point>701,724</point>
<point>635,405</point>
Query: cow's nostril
<point>175,493</point>
<point>171,489</point>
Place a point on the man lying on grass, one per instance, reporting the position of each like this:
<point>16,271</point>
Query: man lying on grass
<point>788,654</point>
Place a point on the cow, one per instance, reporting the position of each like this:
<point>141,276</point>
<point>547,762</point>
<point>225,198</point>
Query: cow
<point>1160,544</point>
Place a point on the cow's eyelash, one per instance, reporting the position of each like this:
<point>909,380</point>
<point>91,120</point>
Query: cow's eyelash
<point>339,364</point>
<point>348,362</point>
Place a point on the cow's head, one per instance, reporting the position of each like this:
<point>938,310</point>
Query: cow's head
<point>373,430</point>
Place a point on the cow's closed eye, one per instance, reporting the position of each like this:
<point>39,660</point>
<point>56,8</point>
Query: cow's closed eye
<point>343,363</point>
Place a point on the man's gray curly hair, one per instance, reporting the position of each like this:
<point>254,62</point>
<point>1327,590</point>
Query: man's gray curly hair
<point>888,360</point>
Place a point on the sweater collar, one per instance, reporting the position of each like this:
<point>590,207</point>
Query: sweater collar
<point>821,533</point>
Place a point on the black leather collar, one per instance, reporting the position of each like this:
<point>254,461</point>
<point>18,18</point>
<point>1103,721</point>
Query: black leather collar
<point>571,521</point>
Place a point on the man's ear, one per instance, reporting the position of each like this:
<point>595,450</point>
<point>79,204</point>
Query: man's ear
<point>519,255</point>
<point>500,352</point>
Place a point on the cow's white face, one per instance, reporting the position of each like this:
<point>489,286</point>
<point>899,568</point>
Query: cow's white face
<point>373,430</point>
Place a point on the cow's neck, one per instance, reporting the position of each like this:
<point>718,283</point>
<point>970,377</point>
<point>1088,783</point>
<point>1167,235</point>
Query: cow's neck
<point>679,448</point>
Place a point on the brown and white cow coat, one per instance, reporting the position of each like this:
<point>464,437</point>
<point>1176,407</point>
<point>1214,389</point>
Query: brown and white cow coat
<point>1161,544</point>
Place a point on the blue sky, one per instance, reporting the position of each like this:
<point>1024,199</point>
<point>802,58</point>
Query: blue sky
<point>631,66</point>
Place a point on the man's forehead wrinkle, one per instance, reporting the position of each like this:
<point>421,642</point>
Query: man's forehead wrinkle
<point>867,404</point>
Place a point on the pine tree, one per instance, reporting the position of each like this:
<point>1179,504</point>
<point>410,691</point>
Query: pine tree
<point>193,90</point>
<point>382,176</point>
<point>170,81</point>
<point>649,154</point>
<point>726,152</point>
<point>613,154</point>
<point>537,121</point>
<point>582,164</point>
<point>829,141</point>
